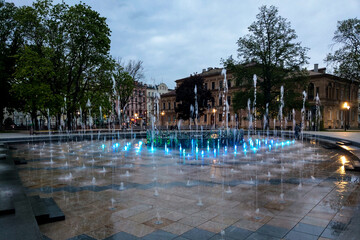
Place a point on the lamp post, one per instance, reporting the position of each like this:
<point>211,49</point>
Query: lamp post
<point>162,117</point>
<point>214,111</point>
<point>347,106</point>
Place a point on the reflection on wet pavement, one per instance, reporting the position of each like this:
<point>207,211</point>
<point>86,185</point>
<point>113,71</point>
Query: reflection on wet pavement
<point>123,188</point>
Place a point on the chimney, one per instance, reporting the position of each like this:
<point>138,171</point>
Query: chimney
<point>316,67</point>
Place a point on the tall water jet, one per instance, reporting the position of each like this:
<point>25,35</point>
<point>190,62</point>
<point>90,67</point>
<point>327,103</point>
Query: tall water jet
<point>249,116</point>
<point>225,101</point>
<point>254,103</point>
<point>88,105</point>
<point>303,115</point>
<point>317,113</point>
<point>281,109</point>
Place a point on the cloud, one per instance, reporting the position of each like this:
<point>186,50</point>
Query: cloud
<point>179,37</point>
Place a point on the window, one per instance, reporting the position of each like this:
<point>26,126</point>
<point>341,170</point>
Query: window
<point>220,101</point>
<point>229,84</point>
<point>311,91</point>
<point>205,118</point>
<point>229,100</point>
<point>317,91</point>
<point>169,106</point>
<point>174,105</point>
<point>220,84</point>
<point>290,116</point>
<point>212,85</point>
<point>205,86</point>
<point>220,117</point>
<point>163,105</point>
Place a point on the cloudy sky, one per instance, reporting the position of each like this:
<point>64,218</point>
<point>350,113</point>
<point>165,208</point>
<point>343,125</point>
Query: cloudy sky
<point>175,38</point>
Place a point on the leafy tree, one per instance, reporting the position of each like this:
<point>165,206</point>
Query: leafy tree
<point>124,85</point>
<point>10,41</point>
<point>346,59</point>
<point>185,95</point>
<point>269,51</point>
<point>73,42</point>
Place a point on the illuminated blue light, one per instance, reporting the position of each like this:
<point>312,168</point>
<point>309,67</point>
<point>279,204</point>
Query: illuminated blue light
<point>103,146</point>
<point>196,149</point>
<point>202,153</point>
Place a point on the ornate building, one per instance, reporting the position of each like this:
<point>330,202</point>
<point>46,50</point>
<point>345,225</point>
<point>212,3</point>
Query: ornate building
<point>152,92</point>
<point>136,108</point>
<point>338,103</point>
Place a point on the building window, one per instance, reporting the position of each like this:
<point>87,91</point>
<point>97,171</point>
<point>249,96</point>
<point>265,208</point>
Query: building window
<point>290,116</point>
<point>169,105</point>
<point>220,84</point>
<point>220,101</point>
<point>205,86</point>
<point>317,91</point>
<point>212,85</point>
<point>205,118</point>
<point>163,106</point>
<point>311,91</point>
<point>229,84</point>
<point>229,100</point>
<point>174,105</point>
<point>220,117</point>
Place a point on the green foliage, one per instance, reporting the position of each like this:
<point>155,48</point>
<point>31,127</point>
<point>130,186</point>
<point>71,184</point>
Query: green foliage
<point>346,59</point>
<point>10,41</point>
<point>186,96</point>
<point>269,51</point>
<point>65,58</point>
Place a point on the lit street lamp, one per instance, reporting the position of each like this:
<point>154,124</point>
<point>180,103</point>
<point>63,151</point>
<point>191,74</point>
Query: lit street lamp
<point>214,111</point>
<point>347,106</point>
<point>162,117</point>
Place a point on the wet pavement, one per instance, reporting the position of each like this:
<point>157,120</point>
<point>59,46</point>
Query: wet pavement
<point>130,191</point>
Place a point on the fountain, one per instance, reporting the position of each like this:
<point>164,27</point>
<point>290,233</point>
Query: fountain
<point>202,168</point>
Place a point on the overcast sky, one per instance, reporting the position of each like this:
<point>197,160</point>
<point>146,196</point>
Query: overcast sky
<point>177,38</point>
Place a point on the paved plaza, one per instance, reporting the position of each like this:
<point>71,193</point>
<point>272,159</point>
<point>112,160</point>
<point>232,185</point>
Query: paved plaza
<point>126,190</point>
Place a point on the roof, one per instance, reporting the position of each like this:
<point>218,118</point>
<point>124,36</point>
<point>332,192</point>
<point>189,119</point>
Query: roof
<point>169,94</point>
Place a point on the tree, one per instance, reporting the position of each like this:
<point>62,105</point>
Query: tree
<point>185,94</point>
<point>269,51</point>
<point>346,59</point>
<point>10,41</point>
<point>124,85</point>
<point>74,42</point>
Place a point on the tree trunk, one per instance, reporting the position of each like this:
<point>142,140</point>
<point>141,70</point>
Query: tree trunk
<point>2,118</point>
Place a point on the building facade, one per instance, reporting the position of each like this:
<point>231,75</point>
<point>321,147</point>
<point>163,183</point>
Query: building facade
<point>136,113</point>
<point>334,93</point>
<point>152,92</point>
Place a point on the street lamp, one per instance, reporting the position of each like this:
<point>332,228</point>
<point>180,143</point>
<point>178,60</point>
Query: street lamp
<point>347,106</point>
<point>214,111</point>
<point>162,117</point>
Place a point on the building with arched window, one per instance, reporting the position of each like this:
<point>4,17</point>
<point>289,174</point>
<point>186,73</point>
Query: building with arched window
<point>338,103</point>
